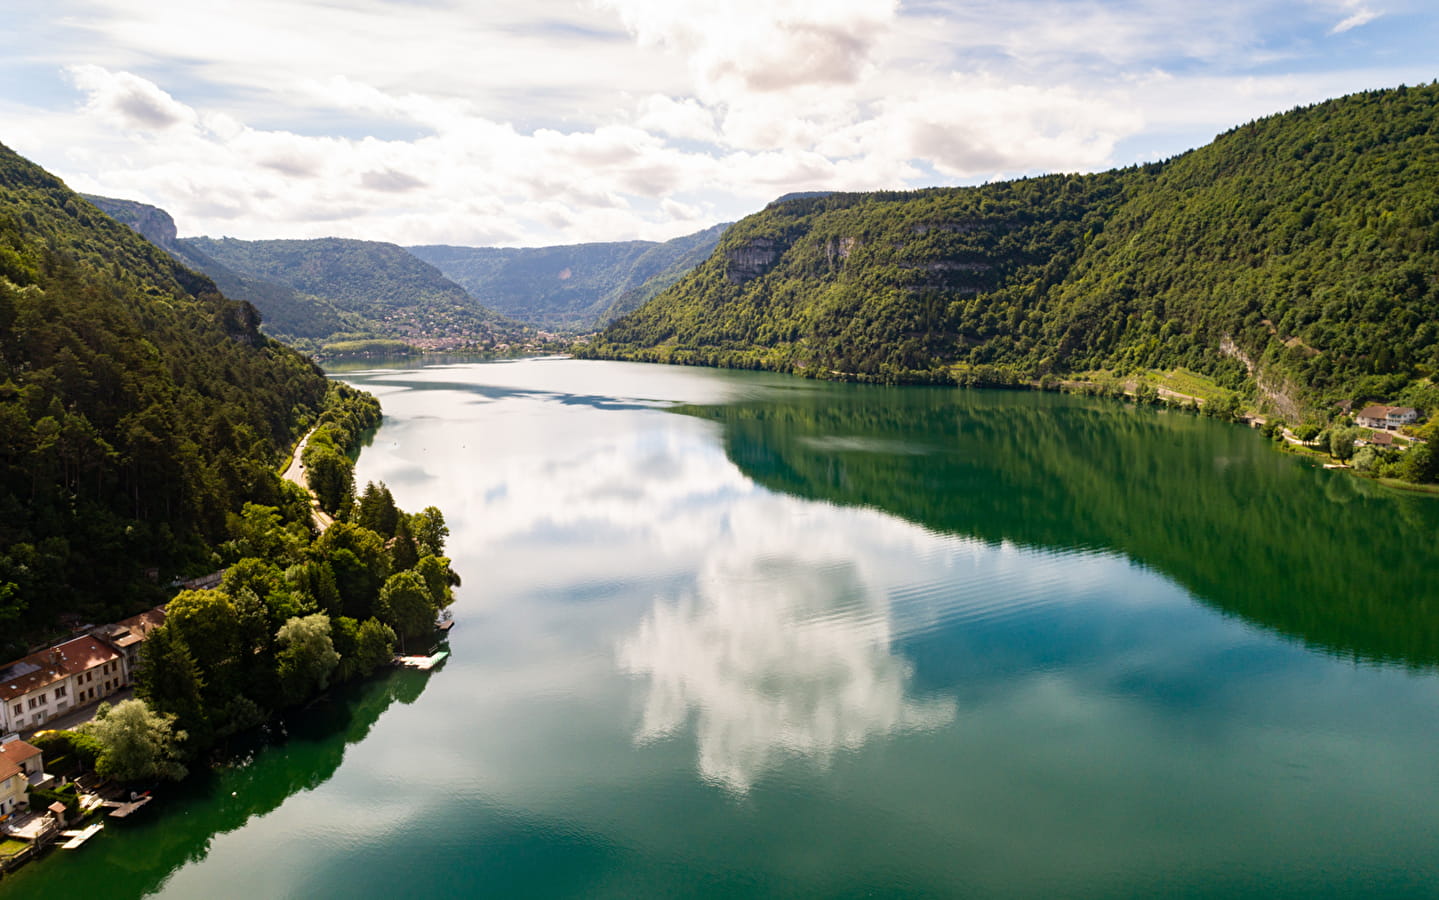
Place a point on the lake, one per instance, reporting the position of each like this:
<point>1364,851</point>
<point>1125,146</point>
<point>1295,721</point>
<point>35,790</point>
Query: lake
<point>738,634</point>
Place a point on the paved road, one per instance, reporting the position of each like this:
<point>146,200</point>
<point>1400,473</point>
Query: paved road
<point>77,717</point>
<point>295,472</point>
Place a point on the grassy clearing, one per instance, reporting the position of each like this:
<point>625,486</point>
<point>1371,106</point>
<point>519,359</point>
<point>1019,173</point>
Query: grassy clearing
<point>10,847</point>
<point>1183,381</point>
<point>1179,381</point>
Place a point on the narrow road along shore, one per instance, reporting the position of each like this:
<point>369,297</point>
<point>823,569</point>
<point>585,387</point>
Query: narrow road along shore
<point>295,472</point>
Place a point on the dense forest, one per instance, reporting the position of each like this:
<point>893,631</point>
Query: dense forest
<point>139,409</point>
<point>1295,258</point>
<point>294,614</point>
<point>572,287</point>
<point>395,293</point>
<point>330,296</point>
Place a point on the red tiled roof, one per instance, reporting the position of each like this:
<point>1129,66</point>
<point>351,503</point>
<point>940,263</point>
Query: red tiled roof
<point>1379,411</point>
<point>12,754</point>
<point>49,666</point>
<point>145,622</point>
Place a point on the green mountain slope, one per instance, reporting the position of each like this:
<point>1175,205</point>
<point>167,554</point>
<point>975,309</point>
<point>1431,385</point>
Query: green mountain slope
<point>577,286</point>
<point>1296,255</point>
<point>138,406</point>
<point>291,316</point>
<point>394,293</point>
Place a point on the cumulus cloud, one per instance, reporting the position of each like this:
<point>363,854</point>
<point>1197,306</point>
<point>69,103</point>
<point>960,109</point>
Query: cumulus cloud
<point>683,118</point>
<point>762,45</point>
<point>390,181</point>
<point>546,121</point>
<point>129,100</point>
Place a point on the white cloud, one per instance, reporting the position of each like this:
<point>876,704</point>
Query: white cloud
<point>548,121</point>
<point>761,45</point>
<point>686,119</point>
<point>129,101</point>
<point>1359,14</point>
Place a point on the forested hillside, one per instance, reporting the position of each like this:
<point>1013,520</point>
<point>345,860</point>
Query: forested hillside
<point>1296,258</point>
<point>138,407</point>
<point>393,292</point>
<point>298,319</point>
<point>329,294</point>
<point>579,286</point>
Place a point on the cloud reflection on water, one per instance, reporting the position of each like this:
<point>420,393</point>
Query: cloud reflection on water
<point>775,655</point>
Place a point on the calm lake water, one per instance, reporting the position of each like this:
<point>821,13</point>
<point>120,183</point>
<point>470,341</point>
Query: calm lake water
<point>733,634</point>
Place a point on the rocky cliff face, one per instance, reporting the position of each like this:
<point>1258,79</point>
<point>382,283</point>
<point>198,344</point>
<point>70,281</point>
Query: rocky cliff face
<point>751,259</point>
<point>837,251</point>
<point>151,222</point>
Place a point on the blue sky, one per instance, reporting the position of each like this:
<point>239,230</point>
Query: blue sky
<point>557,121</point>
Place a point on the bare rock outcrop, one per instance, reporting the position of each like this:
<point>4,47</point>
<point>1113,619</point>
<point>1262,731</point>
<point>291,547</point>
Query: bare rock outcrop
<point>751,259</point>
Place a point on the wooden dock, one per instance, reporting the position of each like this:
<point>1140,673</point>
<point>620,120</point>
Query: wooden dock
<point>423,663</point>
<point>76,838</point>
<point>120,810</point>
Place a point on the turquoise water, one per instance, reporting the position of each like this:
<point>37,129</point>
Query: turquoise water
<point>733,634</point>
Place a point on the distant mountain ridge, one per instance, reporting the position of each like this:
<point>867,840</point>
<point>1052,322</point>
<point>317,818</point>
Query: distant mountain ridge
<point>290,315</point>
<point>312,292</point>
<point>1295,257</point>
<point>570,287</point>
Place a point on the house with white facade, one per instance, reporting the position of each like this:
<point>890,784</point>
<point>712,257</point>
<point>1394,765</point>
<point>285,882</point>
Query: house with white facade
<point>127,635</point>
<point>20,766</point>
<point>54,681</point>
<point>1389,418</point>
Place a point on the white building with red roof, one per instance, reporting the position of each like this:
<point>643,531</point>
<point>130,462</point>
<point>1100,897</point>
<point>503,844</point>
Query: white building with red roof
<point>127,636</point>
<point>20,766</point>
<point>1389,418</point>
<point>46,684</point>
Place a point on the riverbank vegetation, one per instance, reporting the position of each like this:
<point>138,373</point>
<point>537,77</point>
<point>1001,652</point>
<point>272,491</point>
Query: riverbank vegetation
<point>1290,263</point>
<point>295,613</point>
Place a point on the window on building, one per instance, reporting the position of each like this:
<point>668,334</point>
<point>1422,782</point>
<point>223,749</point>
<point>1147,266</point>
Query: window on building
<point>60,691</point>
<point>19,708</point>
